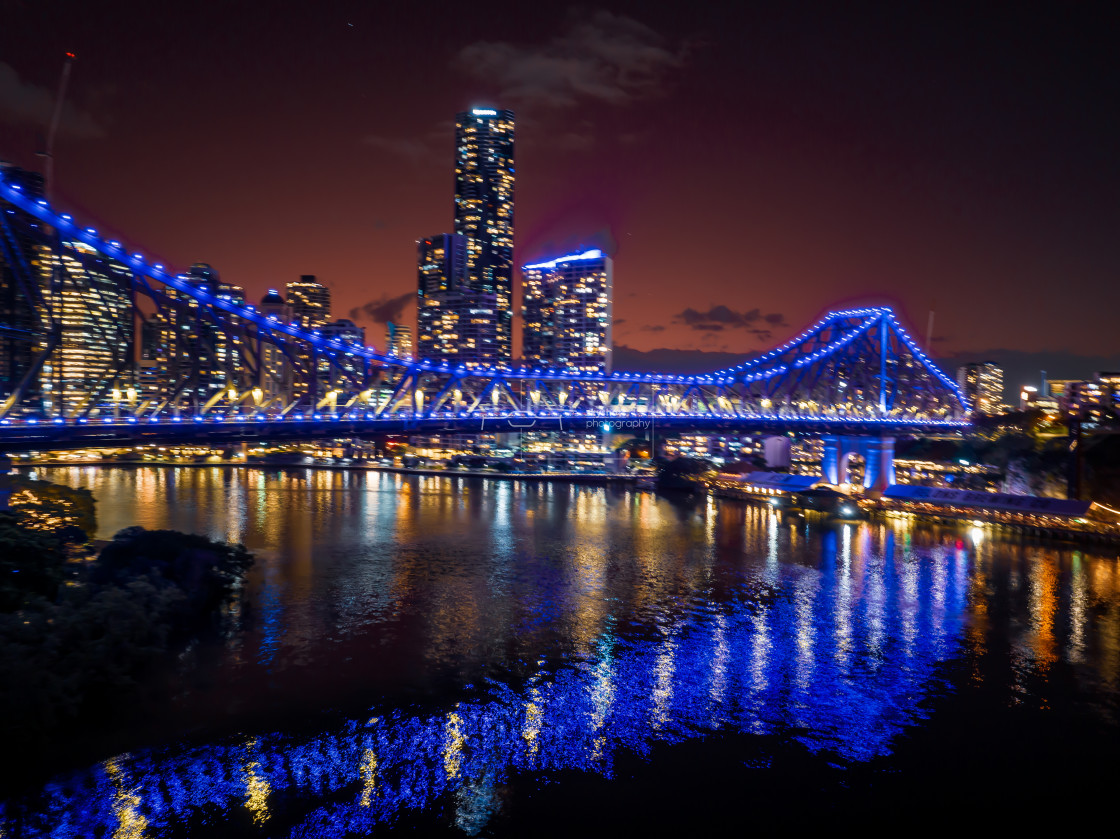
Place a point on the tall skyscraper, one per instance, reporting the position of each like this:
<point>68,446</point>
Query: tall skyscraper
<point>20,322</point>
<point>63,303</point>
<point>454,322</point>
<point>310,302</point>
<point>277,379</point>
<point>982,385</point>
<point>567,312</point>
<point>484,179</point>
<point>195,357</point>
<point>398,340</point>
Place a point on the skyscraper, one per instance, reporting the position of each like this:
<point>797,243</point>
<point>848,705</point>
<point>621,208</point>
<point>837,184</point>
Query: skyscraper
<point>484,179</point>
<point>195,357</point>
<point>398,340</point>
<point>310,302</point>
<point>19,320</point>
<point>454,322</point>
<point>982,385</point>
<point>567,312</point>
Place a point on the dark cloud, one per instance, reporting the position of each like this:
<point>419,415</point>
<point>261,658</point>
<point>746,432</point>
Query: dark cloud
<point>650,327</point>
<point>433,145</point>
<point>722,317</point>
<point>384,309</point>
<point>618,321</point>
<point>22,103</point>
<point>600,57</point>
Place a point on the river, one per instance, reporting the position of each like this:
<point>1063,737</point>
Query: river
<point>476,657</point>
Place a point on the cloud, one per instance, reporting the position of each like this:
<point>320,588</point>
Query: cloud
<point>384,309</point>
<point>22,103</point>
<point>721,317</point>
<point>601,57</point>
<point>431,145</point>
<point>618,321</point>
<point>650,327</point>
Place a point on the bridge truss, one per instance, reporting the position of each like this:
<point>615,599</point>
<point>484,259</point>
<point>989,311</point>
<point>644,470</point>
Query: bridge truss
<point>243,373</point>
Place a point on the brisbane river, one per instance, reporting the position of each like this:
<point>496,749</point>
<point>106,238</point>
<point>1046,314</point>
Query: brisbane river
<point>463,656</point>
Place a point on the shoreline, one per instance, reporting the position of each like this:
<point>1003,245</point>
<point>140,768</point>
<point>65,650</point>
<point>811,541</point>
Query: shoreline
<point>566,477</point>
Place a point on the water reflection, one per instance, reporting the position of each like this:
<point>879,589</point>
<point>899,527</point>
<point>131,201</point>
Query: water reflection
<point>553,626</point>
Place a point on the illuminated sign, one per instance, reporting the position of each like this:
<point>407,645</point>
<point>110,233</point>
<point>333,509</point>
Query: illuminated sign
<point>593,254</point>
<point>484,112</point>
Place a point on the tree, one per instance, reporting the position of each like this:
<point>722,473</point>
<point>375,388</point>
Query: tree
<point>32,563</point>
<point>46,506</point>
<point>207,571</point>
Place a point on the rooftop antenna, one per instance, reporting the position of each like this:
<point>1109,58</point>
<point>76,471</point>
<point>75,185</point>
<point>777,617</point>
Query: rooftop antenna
<point>48,151</point>
<point>929,331</point>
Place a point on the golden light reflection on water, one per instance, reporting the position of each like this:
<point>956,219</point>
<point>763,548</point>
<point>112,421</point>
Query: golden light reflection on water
<point>453,745</point>
<point>257,788</point>
<point>131,823</point>
<point>368,772</point>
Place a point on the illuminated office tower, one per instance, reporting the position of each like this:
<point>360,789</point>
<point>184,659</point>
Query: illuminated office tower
<point>484,178</point>
<point>567,312</point>
<point>982,385</point>
<point>19,320</point>
<point>335,375</point>
<point>398,340</point>
<point>91,300</point>
<point>276,376</point>
<point>310,302</point>
<point>196,357</point>
<point>454,322</point>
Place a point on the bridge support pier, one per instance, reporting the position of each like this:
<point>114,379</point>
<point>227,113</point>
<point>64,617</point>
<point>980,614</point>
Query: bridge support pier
<point>878,458</point>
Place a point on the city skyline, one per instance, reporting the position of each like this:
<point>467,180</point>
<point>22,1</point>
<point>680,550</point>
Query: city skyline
<point>795,204</point>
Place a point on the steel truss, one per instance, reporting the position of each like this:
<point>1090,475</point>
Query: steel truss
<point>850,369</point>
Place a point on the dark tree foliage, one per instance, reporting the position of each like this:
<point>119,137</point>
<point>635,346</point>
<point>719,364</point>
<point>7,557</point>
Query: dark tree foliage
<point>206,571</point>
<point>82,653</point>
<point>32,563</point>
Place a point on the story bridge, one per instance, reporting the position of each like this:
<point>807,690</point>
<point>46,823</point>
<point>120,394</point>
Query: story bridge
<point>72,373</point>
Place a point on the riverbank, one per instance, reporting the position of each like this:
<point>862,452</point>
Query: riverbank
<point>566,477</point>
<point>1086,531</point>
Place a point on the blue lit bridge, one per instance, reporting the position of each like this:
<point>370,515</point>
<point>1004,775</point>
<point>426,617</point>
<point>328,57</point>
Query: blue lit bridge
<point>73,376</point>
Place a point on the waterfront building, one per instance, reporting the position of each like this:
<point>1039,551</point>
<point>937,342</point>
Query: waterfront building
<point>20,322</point>
<point>567,312</point>
<point>398,340</point>
<point>344,369</point>
<point>1096,398</point>
<point>484,182</point>
<point>91,299</point>
<point>195,357</point>
<point>455,323</point>
<point>276,375</point>
<point>310,302</point>
<point>982,385</point>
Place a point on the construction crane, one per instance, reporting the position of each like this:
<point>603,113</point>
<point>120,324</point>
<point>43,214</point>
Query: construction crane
<point>48,151</point>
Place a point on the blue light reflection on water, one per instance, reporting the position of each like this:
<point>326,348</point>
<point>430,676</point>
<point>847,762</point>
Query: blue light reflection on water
<point>841,653</point>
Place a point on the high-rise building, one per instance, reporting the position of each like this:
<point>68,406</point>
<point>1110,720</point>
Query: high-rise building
<point>310,302</point>
<point>20,322</point>
<point>398,340</point>
<point>484,179</point>
<point>277,377</point>
<point>982,385</point>
<point>567,312</point>
<point>196,357</point>
<point>455,323</point>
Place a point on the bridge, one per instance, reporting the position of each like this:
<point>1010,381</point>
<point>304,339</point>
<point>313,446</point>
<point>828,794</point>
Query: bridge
<point>229,371</point>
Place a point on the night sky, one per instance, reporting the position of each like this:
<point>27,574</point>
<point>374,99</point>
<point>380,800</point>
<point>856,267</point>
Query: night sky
<point>748,168</point>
